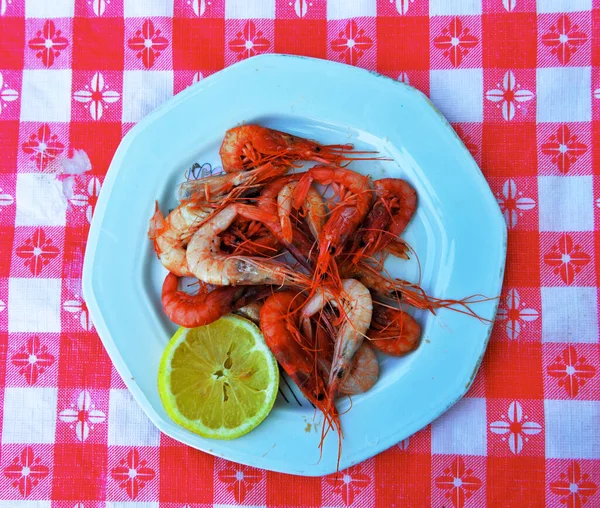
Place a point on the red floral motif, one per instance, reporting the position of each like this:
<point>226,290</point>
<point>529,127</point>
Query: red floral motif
<point>48,43</point>
<point>459,482</point>
<point>33,359</point>
<point>26,471</point>
<point>567,259</point>
<point>43,146</point>
<point>148,43</point>
<point>132,473</point>
<point>515,313</point>
<point>240,480</point>
<point>564,148</point>
<point>349,483</point>
<point>455,41</point>
<point>37,251</point>
<point>574,488</point>
<point>571,371</point>
<point>564,39</point>
<point>249,42</point>
<point>352,43</point>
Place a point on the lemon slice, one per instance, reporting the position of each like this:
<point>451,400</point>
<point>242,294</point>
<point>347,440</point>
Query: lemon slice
<point>219,380</point>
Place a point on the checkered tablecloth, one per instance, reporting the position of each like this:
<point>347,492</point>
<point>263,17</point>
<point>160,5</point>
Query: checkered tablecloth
<point>520,82</point>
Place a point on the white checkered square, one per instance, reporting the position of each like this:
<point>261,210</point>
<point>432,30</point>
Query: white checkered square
<point>49,8</point>
<point>34,305</point>
<point>458,94</point>
<point>26,504</point>
<point>572,429</point>
<point>566,204</point>
<point>127,424</point>
<point>137,504</point>
<point>29,415</point>
<point>462,430</point>
<point>40,200</point>
<point>147,8</point>
<point>569,314</point>
<point>342,9</point>
<point>46,95</point>
<point>563,94</point>
<point>453,7</point>
<point>144,91</point>
<point>544,6</point>
<point>246,9</point>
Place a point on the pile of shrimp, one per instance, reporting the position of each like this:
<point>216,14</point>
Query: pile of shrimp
<point>262,241</point>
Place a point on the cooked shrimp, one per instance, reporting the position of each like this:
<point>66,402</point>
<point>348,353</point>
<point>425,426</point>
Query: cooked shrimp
<point>248,146</point>
<point>356,308</point>
<point>294,352</point>
<point>395,204</point>
<point>208,263</point>
<point>363,373</point>
<point>313,207</point>
<point>355,195</point>
<point>172,234</point>
<point>200,309</point>
<point>393,331</point>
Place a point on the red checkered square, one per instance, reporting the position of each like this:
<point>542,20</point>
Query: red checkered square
<point>570,371</point>
<point>83,361</point>
<point>6,241</point>
<point>403,43</point>
<point>512,6</point>
<point>518,314</point>
<point>518,200</point>
<point>400,475</point>
<point>354,486</point>
<point>298,491</point>
<point>509,95</point>
<point>455,42</point>
<point>82,416</point>
<point>523,270</point>
<point>572,483</point>
<point>100,44</point>
<point>10,94</point>
<point>477,388</point>
<point>446,490</point>
<point>398,8</point>
<point>37,484</point>
<point>238,484</point>
<point>9,141</point>
<point>509,149</point>
<point>300,9</point>
<point>79,471</point>
<point>49,43</point>
<point>471,135</point>
<point>32,360</point>
<point>186,488</point>
<point>99,140</point>
<point>99,8</point>
<point>596,141</point>
<point>191,40</point>
<point>513,370</point>
<point>97,96</point>
<point>301,37</point>
<point>353,41</point>
<point>148,43</point>
<point>565,149</point>
<point>564,39</point>
<point>183,79</point>
<point>74,249</point>
<point>509,40</point>
<point>515,481</point>
<point>39,146</point>
<point>199,9</point>
<point>567,259</point>
<point>246,37</point>
<point>515,428</point>
<point>37,252</point>
<point>12,42</point>
<point>121,484</point>
<point>595,32</point>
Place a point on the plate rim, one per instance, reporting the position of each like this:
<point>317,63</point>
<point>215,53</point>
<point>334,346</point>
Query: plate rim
<point>106,336</point>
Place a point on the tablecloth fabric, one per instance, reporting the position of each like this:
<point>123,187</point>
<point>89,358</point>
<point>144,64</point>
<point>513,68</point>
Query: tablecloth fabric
<point>520,83</point>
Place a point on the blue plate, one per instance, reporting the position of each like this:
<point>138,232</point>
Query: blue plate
<point>458,234</point>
